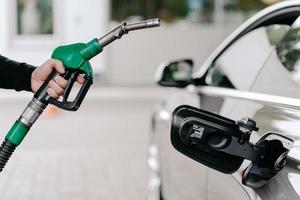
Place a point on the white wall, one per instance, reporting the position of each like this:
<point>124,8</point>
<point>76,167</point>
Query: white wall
<point>134,59</point>
<point>75,21</point>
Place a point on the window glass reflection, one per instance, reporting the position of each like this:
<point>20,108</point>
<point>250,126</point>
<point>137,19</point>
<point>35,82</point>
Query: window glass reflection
<point>239,65</point>
<point>34,17</point>
<point>288,51</point>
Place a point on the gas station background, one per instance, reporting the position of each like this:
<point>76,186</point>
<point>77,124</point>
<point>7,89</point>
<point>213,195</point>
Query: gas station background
<point>191,28</point>
<point>100,151</point>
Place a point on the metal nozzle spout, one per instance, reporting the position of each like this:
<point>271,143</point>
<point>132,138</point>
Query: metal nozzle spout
<point>144,24</point>
<point>124,28</point>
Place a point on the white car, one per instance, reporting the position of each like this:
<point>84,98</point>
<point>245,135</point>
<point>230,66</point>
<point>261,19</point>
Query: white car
<point>254,73</point>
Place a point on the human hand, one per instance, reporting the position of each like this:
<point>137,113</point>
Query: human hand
<point>56,86</point>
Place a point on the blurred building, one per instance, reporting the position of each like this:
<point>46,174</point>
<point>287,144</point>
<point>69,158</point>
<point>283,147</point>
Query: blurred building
<point>31,29</point>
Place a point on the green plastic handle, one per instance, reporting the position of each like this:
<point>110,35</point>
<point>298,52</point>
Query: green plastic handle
<point>76,56</point>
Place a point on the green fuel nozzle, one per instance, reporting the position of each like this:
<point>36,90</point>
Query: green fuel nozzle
<point>75,58</point>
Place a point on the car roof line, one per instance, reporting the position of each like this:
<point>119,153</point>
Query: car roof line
<point>271,9</point>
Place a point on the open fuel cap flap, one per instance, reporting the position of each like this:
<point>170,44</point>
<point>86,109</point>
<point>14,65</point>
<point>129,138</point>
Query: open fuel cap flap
<point>223,144</point>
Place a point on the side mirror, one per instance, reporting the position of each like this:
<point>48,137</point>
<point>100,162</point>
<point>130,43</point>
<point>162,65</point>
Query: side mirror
<point>223,144</point>
<point>175,73</point>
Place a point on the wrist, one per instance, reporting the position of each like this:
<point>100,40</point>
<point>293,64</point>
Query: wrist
<point>28,71</point>
<point>33,80</point>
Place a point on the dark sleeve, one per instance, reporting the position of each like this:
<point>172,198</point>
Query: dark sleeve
<point>15,75</point>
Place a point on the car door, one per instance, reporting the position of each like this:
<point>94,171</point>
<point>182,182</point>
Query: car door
<point>185,179</point>
<point>273,68</point>
<point>235,71</point>
<point>284,66</point>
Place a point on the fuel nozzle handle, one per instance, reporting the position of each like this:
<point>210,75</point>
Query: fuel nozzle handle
<point>124,28</point>
<point>75,58</point>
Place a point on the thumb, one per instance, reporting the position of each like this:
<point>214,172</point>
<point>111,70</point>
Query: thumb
<point>47,68</point>
<point>58,65</point>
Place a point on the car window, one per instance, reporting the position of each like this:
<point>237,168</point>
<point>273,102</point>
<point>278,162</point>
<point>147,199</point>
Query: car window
<point>239,65</point>
<point>288,51</point>
<point>281,72</point>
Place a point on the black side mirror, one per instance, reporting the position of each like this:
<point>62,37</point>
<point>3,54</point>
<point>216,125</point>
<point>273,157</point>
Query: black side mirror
<point>175,73</point>
<point>223,144</point>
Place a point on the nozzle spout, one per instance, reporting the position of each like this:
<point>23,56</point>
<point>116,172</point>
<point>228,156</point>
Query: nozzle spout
<point>124,28</point>
<point>144,24</point>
